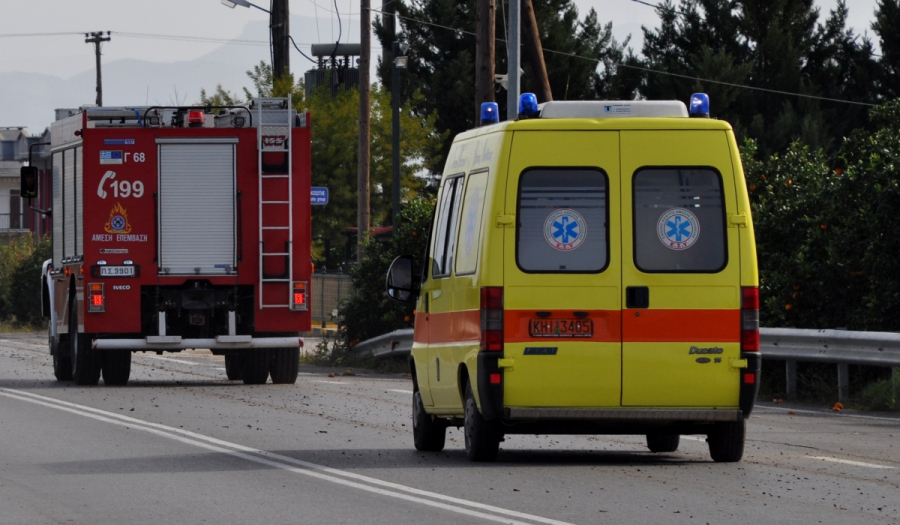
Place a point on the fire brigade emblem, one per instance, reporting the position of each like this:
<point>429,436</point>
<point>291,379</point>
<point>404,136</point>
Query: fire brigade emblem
<point>565,230</point>
<point>118,220</point>
<point>678,229</point>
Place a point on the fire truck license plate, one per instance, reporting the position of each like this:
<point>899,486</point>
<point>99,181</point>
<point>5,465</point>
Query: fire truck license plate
<point>561,328</point>
<point>117,271</point>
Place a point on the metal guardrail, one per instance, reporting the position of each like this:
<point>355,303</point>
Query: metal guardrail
<point>791,345</point>
<point>393,344</point>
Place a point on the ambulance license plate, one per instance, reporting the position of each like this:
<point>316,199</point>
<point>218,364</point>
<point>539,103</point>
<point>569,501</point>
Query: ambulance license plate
<point>117,271</point>
<point>561,328</point>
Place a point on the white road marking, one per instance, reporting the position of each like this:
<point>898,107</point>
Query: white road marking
<point>695,438</point>
<point>173,360</point>
<point>331,382</point>
<point>848,462</point>
<point>401,391</point>
<point>374,485</point>
<point>835,414</point>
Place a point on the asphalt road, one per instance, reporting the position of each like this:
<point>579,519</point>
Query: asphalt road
<point>181,444</point>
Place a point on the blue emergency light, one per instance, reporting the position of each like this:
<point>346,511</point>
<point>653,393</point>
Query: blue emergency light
<point>490,113</point>
<point>528,106</point>
<point>700,105</point>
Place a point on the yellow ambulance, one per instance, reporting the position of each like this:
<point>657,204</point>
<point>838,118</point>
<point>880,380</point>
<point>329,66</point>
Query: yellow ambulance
<point>591,270</point>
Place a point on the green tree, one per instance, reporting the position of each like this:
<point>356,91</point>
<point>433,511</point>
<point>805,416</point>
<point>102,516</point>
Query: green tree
<point>442,59</point>
<point>887,28</point>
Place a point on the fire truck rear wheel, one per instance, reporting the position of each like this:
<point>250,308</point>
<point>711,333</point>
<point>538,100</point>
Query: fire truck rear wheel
<point>256,366</point>
<point>116,367</point>
<point>62,361</point>
<point>85,360</point>
<point>285,365</point>
<point>234,367</point>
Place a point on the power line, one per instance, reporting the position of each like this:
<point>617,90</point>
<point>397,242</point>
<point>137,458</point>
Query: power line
<point>573,55</point>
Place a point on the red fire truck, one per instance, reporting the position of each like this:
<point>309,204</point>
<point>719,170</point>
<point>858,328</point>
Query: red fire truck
<point>179,228</point>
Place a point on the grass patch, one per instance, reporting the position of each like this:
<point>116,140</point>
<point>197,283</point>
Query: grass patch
<point>881,395</point>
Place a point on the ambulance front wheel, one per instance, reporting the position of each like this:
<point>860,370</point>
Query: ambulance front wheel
<point>482,436</point>
<point>429,433</point>
<point>663,442</point>
<point>726,441</point>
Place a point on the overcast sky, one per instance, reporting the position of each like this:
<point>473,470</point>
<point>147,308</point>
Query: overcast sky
<point>142,29</point>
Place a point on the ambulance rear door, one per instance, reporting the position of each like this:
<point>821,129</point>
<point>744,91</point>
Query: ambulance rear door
<point>680,270</point>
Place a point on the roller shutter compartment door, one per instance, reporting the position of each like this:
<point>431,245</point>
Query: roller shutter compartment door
<point>196,208</point>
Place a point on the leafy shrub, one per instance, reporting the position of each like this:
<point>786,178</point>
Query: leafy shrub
<point>371,312</point>
<point>20,284</point>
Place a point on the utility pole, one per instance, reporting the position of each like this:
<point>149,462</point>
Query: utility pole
<point>97,38</point>
<point>362,175</point>
<point>279,24</point>
<point>534,52</point>
<point>485,15</point>
<point>512,90</point>
<point>389,22</point>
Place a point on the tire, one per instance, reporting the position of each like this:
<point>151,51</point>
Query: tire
<point>726,441</point>
<point>663,442</point>
<point>62,361</point>
<point>234,367</point>
<point>256,366</point>
<point>116,367</point>
<point>482,436</point>
<point>429,433</point>
<point>85,360</point>
<point>285,365</point>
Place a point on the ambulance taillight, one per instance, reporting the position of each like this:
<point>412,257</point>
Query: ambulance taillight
<point>492,319</point>
<point>750,319</point>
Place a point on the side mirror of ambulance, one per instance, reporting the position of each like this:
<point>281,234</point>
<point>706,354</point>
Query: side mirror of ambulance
<point>401,282</point>
<point>28,182</point>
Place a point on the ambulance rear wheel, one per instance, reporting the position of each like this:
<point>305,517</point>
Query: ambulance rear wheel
<point>429,433</point>
<point>482,436</point>
<point>726,441</point>
<point>234,367</point>
<point>85,360</point>
<point>256,366</point>
<point>116,367</point>
<point>285,365</point>
<point>663,442</point>
<point>62,361</point>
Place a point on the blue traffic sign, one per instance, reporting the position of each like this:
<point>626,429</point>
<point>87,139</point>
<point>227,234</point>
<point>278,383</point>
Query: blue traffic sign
<point>319,196</point>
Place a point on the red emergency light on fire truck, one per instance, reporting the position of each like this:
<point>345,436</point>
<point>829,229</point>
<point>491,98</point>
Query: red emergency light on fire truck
<point>176,228</point>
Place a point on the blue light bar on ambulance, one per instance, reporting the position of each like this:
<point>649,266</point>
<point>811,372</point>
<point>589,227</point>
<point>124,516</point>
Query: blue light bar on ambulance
<point>490,113</point>
<point>700,105</point>
<point>528,106</point>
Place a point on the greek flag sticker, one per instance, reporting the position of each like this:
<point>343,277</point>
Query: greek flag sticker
<point>565,230</point>
<point>678,229</point>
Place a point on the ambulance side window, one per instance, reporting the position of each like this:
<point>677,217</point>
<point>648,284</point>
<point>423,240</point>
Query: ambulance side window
<point>469,244</point>
<point>679,220</point>
<point>445,232</point>
<point>562,221</point>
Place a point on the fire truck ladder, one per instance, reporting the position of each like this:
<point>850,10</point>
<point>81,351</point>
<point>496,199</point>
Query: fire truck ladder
<point>276,211</point>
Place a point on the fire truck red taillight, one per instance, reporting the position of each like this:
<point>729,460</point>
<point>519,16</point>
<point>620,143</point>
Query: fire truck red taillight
<point>299,296</point>
<point>492,319</point>
<point>750,319</point>
<point>96,298</point>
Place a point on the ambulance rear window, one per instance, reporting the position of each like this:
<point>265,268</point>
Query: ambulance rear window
<point>679,220</point>
<point>562,221</point>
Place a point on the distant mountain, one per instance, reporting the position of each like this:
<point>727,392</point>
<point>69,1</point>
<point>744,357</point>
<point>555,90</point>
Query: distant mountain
<point>29,99</point>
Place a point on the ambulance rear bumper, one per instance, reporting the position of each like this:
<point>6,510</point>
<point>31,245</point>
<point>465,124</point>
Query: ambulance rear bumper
<point>174,342</point>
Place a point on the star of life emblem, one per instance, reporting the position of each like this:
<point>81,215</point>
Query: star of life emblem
<point>678,229</point>
<point>565,230</point>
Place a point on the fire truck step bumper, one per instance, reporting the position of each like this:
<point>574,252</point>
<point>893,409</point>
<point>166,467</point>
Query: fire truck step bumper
<point>223,342</point>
